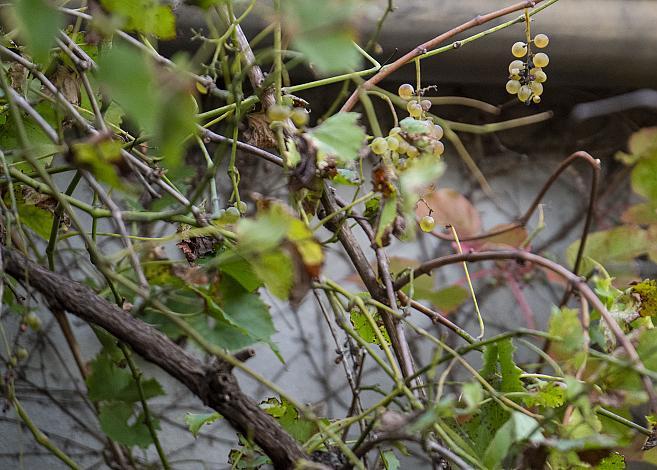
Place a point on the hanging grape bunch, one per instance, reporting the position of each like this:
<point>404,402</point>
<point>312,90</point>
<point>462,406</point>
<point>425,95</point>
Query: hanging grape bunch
<point>416,135</point>
<point>526,75</point>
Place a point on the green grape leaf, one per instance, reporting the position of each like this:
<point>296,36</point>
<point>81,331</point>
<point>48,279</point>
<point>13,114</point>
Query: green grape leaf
<point>114,420</point>
<point>242,271</point>
<point>107,381</point>
<point>144,16</point>
<point>38,24</point>
<point>519,427</point>
<point>551,395</point>
<point>276,270</point>
<point>290,419</point>
<point>195,421</point>
<point>365,329</point>
<point>175,128</point>
<point>339,136</point>
<point>613,461</point>
<point>508,369</point>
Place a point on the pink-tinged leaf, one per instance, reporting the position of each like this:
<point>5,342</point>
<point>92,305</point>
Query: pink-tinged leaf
<point>513,238</point>
<point>451,208</point>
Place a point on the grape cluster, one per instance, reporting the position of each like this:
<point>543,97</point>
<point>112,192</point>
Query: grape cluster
<point>526,76</point>
<point>416,135</point>
<point>281,112</point>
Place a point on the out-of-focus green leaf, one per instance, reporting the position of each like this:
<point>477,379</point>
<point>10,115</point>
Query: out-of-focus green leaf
<point>114,418</point>
<point>195,421</point>
<point>38,23</point>
<point>138,95</point>
<point>643,179</point>
<point>323,31</point>
<point>339,136</point>
<point>101,157</point>
<point>387,218</point>
<point>144,16</point>
<point>612,248</point>
<point>176,126</point>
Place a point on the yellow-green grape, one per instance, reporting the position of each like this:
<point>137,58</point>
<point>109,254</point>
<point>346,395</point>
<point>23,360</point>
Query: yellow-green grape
<point>519,49</point>
<point>403,147</point>
<point>393,142</point>
<point>536,88</point>
<point>412,152</point>
<point>414,109</point>
<point>379,146</point>
<point>300,117</point>
<point>394,131</point>
<point>406,91</point>
<point>518,65</point>
<point>541,59</point>
<point>426,105</point>
<point>438,148</point>
<point>33,321</point>
<point>538,75</point>
<point>427,223</point>
<point>536,99</point>
<point>21,353</point>
<point>232,215</point>
<point>541,40</point>
<point>513,86</point>
<point>437,132</point>
<point>524,93</point>
<point>278,112</point>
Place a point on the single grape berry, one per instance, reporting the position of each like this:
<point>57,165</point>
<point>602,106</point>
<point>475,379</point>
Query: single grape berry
<point>241,206</point>
<point>536,88</point>
<point>519,49</point>
<point>437,132</point>
<point>438,148</point>
<point>278,112</point>
<point>21,353</point>
<point>379,146</point>
<point>541,40</point>
<point>300,117</point>
<point>394,131</point>
<point>406,91</point>
<point>541,59</point>
<point>518,65</point>
<point>538,74</point>
<point>426,105</point>
<point>232,215</point>
<point>427,224</point>
<point>513,86</point>
<point>536,99</point>
<point>412,152</point>
<point>414,109</point>
<point>403,147</point>
<point>33,321</point>
<point>393,142</point>
<point>524,93</point>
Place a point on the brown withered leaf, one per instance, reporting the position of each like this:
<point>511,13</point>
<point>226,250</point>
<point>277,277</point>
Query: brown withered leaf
<point>68,83</point>
<point>17,76</point>
<point>197,247</point>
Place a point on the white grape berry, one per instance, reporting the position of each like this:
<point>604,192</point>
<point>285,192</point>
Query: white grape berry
<point>518,65</point>
<point>536,88</point>
<point>519,49</point>
<point>524,93</point>
<point>538,75</point>
<point>513,86</point>
<point>427,223</point>
<point>379,146</point>
<point>541,59</point>
<point>406,91</point>
<point>541,40</point>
